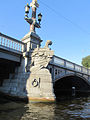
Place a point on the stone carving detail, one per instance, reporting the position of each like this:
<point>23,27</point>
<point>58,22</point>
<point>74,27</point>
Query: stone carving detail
<point>41,57</point>
<point>48,43</point>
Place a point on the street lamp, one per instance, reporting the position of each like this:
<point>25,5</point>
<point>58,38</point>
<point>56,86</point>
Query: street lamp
<point>27,7</point>
<point>32,21</point>
<point>39,17</point>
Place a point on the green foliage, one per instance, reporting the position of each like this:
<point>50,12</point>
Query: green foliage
<point>86,62</point>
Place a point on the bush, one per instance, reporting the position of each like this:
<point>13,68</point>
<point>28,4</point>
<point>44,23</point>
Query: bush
<point>86,61</point>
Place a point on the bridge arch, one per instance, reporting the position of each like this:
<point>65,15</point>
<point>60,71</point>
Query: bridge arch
<point>63,86</point>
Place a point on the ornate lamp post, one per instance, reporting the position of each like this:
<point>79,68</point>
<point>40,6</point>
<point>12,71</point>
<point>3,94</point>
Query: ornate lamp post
<point>32,21</point>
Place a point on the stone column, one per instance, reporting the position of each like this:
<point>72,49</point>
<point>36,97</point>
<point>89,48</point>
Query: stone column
<point>32,40</point>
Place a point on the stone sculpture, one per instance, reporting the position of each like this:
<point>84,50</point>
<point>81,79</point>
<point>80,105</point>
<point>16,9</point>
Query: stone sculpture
<point>39,84</point>
<point>41,57</point>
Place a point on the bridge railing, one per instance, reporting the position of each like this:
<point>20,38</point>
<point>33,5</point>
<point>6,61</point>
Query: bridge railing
<point>69,65</point>
<point>12,43</point>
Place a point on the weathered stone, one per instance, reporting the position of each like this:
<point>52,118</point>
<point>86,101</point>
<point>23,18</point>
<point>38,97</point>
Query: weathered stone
<point>39,83</point>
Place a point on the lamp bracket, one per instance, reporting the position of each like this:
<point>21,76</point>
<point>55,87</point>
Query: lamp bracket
<point>29,20</point>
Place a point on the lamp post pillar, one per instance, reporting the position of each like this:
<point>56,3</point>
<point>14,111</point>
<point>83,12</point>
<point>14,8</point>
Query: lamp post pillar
<point>32,26</point>
<point>31,39</point>
<point>34,6</point>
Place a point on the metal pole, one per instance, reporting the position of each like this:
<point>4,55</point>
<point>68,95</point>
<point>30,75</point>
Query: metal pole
<point>34,6</point>
<point>32,26</point>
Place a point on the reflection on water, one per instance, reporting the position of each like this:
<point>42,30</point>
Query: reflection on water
<point>78,109</point>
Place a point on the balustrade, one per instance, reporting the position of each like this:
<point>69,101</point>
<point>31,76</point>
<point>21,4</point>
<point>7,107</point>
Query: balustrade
<point>69,65</point>
<point>78,68</point>
<point>58,61</point>
<point>12,43</point>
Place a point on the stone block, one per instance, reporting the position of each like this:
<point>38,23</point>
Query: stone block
<point>40,85</point>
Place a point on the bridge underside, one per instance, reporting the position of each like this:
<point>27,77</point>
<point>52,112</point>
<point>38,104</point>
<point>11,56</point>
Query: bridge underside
<point>6,67</point>
<point>64,86</point>
<point>9,54</point>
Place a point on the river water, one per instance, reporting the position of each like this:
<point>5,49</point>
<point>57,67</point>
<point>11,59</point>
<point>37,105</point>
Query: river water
<point>76,109</point>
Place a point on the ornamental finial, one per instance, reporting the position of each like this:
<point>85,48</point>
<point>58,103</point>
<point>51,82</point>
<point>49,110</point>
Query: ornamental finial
<point>34,4</point>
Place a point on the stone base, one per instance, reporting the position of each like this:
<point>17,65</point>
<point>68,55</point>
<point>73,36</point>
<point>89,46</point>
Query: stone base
<point>25,99</point>
<point>40,87</point>
<point>41,100</point>
<point>34,87</point>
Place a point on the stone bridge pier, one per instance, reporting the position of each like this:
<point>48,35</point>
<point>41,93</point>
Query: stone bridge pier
<point>29,78</point>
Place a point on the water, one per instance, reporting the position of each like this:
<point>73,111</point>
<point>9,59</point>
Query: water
<point>76,109</point>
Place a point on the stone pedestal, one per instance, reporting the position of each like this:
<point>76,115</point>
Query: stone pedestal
<point>40,87</point>
<point>32,40</point>
<point>39,84</point>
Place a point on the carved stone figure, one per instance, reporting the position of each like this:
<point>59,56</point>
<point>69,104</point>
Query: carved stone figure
<point>48,43</point>
<point>41,57</point>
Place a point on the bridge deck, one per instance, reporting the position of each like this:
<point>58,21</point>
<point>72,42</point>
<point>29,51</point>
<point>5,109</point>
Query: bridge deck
<point>10,48</point>
<point>60,62</point>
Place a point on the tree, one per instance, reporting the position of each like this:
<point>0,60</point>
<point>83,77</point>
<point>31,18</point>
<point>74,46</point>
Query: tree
<point>86,61</point>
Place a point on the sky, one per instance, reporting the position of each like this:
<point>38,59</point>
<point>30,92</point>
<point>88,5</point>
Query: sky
<point>65,22</point>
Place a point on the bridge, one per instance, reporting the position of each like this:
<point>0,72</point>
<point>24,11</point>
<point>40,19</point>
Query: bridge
<point>10,48</point>
<point>11,51</point>
<point>28,71</point>
<point>65,74</point>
